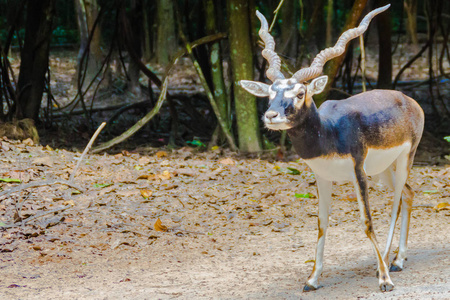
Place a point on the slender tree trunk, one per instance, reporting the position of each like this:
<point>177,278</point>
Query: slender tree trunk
<point>332,67</point>
<point>384,25</point>
<point>313,17</point>
<point>289,34</point>
<point>87,13</point>
<point>166,44</point>
<point>148,33</point>
<point>330,10</point>
<point>411,21</point>
<point>34,57</point>
<point>92,9</point>
<point>241,55</point>
<point>136,23</point>
<point>320,26</point>
<point>215,58</point>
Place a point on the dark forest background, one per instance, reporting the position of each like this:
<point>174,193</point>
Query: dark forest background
<point>67,66</point>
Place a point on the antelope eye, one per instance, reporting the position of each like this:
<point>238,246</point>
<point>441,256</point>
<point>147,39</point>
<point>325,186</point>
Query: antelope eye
<point>301,94</point>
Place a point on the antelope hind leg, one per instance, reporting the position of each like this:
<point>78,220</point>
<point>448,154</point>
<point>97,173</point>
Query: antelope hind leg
<point>407,198</point>
<point>360,183</point>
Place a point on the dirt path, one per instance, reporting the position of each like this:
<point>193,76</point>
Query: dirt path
<point>238,229</point>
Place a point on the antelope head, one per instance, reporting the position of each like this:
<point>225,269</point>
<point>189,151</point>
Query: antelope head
<point>287,97</point>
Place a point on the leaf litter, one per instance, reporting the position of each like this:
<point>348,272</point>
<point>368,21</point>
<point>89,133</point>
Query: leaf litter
<point>186,206</point>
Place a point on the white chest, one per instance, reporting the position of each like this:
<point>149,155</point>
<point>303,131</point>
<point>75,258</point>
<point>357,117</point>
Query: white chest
<point>341,168</point>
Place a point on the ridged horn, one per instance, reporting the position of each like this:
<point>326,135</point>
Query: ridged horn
<point>273,72</point>
<point>325,55</point>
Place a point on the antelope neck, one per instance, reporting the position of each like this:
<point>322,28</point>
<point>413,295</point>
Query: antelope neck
<point>312,135</point>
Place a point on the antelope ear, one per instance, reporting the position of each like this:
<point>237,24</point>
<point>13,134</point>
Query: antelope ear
<point>256,88</point>
<point>317,85</point>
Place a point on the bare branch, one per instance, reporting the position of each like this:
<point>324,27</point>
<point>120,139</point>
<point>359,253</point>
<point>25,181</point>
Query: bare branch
<point>86,150</point>
<point>41,183</point>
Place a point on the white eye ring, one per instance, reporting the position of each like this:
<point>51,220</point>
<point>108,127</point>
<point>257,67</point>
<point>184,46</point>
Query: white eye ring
<point>293,92</point>
<point>272,94</point>
<point>298,103</point>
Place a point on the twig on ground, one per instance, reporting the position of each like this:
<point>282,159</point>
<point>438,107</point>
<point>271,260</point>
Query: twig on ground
<point>41,183</point>
<point>86,150</point>
<point>181,202</point>
<point>34,217</point>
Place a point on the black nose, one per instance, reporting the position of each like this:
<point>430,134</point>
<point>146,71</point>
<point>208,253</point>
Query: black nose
<point>271,114</point>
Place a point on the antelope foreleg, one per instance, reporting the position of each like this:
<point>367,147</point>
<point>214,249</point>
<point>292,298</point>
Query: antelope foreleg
<point>324,188</point>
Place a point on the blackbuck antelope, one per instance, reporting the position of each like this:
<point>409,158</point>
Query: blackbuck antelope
<point>374,133</point>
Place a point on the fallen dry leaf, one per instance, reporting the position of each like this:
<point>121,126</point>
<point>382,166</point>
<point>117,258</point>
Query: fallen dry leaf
<point>442,206</point>
<point>227,161</point>
<point>186,172</point>
<point>146,193</point>
<point>43,161</point>
<point>148,176</point>
<point>160,154</point>
<point>69,202</point>
<point>159,226</point>
<point>143,161</point>
<point>127,193</point>
<point>28,142</point>
<point>351,197</point>
<point>165,175</point>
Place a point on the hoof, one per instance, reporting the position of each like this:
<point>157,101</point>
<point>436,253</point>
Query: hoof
<point>309,288</point>
<point>386,287</point>
<point>395,268</point>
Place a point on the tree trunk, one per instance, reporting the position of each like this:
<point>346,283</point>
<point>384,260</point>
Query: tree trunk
<point>411,21</point>
<point>332,67</point>
<point>166,44</point>
<point>384,25</point>
<point>314,17</point>
<point>34,57</point>
<point>87,13</point>
<point>215,58</point>
<point>241,55</point>
<point>289,34</point>
<point>136,23</point>
<point>148,32</point>
<point>329,37</point>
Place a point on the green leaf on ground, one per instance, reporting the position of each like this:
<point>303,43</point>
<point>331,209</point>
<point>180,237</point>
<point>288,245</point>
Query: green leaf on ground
<point>431,192</point>
<point>10,180</point>
<point>293,171</point>
<point>102,185</point>
<point>196,143</point>
<point>307,195</point>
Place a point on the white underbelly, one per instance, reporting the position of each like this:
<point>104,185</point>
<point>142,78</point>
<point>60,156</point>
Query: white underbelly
<point>341,168</point>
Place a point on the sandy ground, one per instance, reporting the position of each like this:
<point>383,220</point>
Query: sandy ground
<point>235,229</point>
